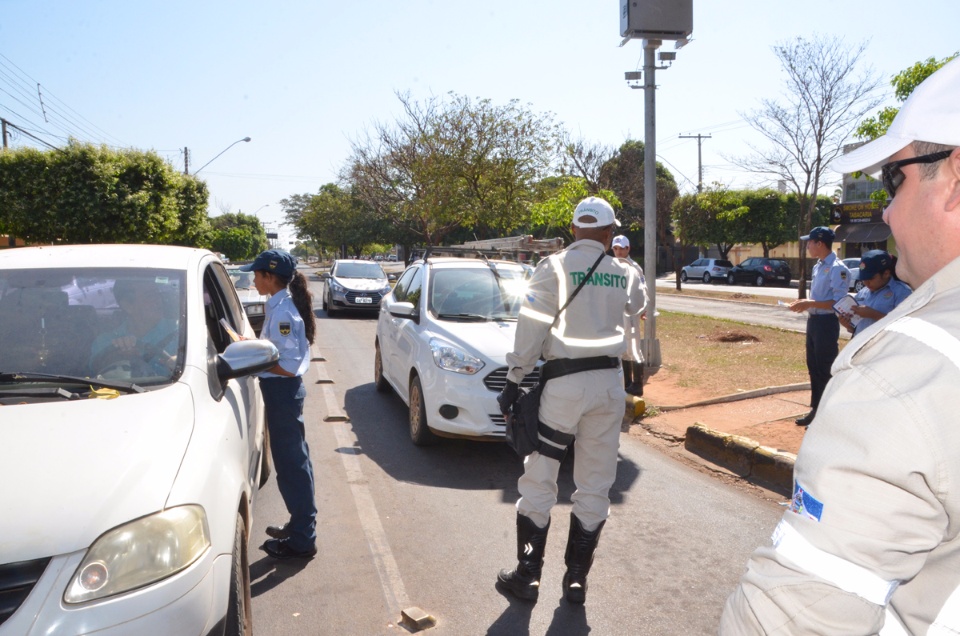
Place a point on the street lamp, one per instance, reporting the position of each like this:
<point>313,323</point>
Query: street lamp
<point>221,152</point>
<point>265,205</point>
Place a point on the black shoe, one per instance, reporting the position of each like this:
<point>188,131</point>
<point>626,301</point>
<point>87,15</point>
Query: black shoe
<point>806,419</point>
<point>280,549</point>
<point>278,532</point>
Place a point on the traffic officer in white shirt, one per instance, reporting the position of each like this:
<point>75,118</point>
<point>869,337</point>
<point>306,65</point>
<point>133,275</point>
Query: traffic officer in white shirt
<point>632,326</point>
<point>871,541</point>
<point>583,396</point>
<point>828,284</point>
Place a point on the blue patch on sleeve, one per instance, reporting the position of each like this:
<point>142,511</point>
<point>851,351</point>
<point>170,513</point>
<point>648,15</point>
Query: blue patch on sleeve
<point>805,504</point>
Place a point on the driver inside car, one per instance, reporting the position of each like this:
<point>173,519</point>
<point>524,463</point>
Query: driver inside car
<point>144,342</point>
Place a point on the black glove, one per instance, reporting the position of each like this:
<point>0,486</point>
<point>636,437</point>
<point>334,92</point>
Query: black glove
<point>509,395</point>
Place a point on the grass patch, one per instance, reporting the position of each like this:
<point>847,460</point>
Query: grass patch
<point>722,357</point>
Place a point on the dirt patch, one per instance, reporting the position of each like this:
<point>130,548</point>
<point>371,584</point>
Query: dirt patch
<point>733,336</point>
<point>768,420</point>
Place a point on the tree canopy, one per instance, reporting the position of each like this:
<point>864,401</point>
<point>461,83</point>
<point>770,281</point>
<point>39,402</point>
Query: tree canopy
<point>903,84</point>
<point>88,194</point>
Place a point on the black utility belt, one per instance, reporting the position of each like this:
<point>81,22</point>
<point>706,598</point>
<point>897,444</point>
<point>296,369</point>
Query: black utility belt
<point>565,366</point>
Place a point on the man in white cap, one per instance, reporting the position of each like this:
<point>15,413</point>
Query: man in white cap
<point>871,541</point>
<point>583,397</point>
<point>632,327</point>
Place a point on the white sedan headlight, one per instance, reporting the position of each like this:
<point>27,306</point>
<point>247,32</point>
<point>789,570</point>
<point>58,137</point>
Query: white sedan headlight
<point>254,310</point>
<point>140,553</point>
<point>451,358</point>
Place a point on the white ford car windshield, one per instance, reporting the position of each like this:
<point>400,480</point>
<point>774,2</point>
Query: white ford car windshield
<point>475,293</point>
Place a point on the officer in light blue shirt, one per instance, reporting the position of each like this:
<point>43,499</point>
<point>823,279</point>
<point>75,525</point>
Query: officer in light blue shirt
<point>828,284</point>
<point>881,292</point>
<point>289,324</point>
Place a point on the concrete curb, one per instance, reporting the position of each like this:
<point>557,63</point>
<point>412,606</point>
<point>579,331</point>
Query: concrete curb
<point>743,456</point>
<point>745,395</point>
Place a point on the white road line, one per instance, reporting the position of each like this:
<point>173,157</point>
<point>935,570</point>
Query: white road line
<point>393,589</point>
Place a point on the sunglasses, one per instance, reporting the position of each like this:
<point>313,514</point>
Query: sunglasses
<point>892,176</point>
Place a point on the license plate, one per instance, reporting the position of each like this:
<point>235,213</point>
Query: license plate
<point>780,277</point>
<point>361,300</point>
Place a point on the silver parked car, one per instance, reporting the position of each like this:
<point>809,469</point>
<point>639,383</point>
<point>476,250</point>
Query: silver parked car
<point>353,284</point>
<point>706,269</point>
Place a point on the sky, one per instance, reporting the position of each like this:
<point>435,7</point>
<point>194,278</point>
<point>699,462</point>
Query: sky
<point>307,79</point>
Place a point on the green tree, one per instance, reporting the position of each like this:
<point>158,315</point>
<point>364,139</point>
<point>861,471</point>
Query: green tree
<point>454,163</point>
<point>621,172</point>
<point>239,236</point>
<point>87,194</point>
<point>335,219</point>
<point>903,84</point>
<point>558,198</point>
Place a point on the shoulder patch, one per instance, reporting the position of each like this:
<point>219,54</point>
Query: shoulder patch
<point>284,328</point>
<point>843,274</point>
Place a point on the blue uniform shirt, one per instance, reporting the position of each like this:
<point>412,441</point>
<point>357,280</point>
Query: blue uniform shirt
<point>830,281</point>
<point>883,300</point>
<point>283,326</point>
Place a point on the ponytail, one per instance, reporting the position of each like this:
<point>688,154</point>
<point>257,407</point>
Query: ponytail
<point>303,300</point>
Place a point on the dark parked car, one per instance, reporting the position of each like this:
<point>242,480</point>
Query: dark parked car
<point>760,271</point>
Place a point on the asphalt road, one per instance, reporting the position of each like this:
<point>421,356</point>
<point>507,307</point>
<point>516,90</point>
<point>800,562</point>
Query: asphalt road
<point>402,526</point>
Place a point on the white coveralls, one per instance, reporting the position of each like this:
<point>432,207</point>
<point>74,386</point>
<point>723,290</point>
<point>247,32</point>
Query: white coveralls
<point>590,404</point>
<point>871,542</point>
<point>632,325</point>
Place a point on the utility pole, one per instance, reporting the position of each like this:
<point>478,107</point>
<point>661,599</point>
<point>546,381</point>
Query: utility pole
<point>186,160</point>
<point>699,139</point>
<point>3,123</point>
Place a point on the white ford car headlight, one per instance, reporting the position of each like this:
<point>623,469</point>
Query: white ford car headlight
<point>451,358</point>
<point>140,553</point>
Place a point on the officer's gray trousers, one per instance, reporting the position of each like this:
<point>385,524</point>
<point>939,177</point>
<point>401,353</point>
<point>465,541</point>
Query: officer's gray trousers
<point>589,405</point>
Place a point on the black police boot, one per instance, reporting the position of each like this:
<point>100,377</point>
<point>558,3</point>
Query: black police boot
<point>635,387</point>
<point>579,557</point>
<point>627,375</point>
<point>524,581</point>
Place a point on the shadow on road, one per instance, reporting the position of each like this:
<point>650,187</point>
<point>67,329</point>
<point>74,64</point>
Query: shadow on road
<point>379,421</point>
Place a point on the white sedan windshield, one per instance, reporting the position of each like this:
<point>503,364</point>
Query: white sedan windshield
<point>109,323</point>
<point>477,292</point>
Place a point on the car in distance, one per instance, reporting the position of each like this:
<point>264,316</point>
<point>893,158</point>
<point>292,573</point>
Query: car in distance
<point>706,269</point>
<point>761,271</point>
<point>443,334</point>
<point>133,442</point>
<point>254,303</point>
<point>353,284</point>
<point>853,264</point>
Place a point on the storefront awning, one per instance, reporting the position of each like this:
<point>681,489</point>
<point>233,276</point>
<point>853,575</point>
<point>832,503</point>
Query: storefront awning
<point>863,233</point>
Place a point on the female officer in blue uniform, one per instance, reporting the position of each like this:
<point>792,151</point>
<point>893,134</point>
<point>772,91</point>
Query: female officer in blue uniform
<point>881,292</point>
<point>828,284</point>
<point>290,325</point>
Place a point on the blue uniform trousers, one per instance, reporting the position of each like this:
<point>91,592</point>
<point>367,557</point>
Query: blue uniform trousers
<point>823,335</point>
<point>283,399</point>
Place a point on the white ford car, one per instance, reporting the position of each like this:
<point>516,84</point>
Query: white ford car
<point>132,442</point>
<point>443,334</point>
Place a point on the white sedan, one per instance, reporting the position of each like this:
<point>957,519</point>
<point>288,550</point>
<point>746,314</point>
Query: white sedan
<point>133,442</point>
<point>443,334</point>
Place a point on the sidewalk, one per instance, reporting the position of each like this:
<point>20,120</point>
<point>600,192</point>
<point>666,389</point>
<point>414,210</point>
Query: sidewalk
<point>751,434</point>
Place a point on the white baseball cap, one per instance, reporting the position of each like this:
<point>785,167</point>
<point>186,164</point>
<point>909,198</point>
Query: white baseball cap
<point>621,241</point>
<point>931,113</point>
<point>598,209</point>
